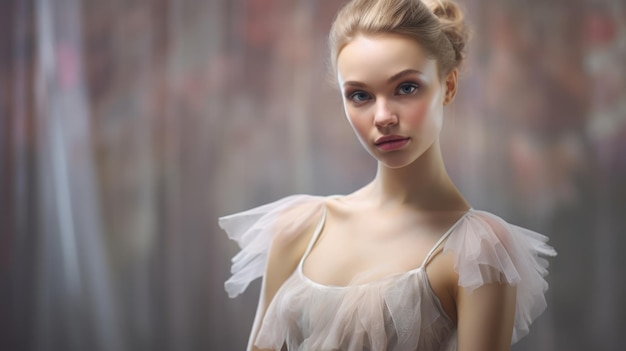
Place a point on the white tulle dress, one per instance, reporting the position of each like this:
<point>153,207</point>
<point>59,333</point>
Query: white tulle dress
<point>399,312</point>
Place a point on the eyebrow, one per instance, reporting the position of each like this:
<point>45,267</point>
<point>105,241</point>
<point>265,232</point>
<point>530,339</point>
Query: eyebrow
<point>401,74</point>
<point>391,79</point>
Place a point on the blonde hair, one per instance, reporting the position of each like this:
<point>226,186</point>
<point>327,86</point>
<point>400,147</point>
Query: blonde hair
<point>437,25</point>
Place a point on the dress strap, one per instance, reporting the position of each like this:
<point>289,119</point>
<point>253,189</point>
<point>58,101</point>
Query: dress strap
<point>316,234</point>
<point>443,238</point>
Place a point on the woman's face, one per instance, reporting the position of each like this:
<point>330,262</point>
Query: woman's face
<point>392,96</point>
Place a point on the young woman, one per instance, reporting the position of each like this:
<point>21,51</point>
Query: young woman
<point>404,263</point>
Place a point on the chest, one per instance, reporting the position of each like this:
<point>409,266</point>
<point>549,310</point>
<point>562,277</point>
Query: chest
<point>397,313</point>
<point>369,247</point>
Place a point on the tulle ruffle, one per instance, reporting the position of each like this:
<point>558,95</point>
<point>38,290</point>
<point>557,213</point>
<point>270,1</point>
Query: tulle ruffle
<point>489,250</point>
<point>388,314</point>
<point>254,229</point>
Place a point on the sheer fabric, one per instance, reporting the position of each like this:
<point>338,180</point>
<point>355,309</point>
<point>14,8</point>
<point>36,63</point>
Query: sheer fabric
<point>399,312</point>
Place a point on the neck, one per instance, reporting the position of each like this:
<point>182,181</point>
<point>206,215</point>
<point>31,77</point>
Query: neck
<point>424,184</point>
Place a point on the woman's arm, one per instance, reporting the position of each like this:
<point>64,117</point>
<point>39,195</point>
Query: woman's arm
<point>485,317</point>
<point>281,263</point>
<point>285,252</point>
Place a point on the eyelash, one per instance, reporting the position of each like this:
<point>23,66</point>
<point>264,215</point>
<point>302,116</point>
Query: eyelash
<point>414,87</point>
<point>352,95</point>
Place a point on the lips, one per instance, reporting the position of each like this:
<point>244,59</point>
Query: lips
<point>389,138</point>
<point>391,142</point>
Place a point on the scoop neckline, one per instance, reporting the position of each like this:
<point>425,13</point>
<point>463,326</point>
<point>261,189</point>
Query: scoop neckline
<point>364,284</point>
<point>381,280</point>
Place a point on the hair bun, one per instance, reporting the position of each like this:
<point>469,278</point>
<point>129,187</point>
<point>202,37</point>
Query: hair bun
<point>452,24</point>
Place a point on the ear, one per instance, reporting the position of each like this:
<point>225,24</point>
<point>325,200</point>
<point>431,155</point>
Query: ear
<point>451,83</point>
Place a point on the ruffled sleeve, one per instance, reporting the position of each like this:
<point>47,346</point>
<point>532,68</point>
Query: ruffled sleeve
<point>489,250</point>
<point>254,229</point>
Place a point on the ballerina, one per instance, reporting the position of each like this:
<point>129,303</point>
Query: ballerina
<point>404,263</point>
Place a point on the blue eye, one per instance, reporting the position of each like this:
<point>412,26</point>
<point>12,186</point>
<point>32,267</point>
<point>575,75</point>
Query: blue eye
<point>407,88</point>
<point>358,96</point>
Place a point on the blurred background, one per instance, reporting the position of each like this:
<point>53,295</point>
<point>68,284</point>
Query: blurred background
<point>128,127</point>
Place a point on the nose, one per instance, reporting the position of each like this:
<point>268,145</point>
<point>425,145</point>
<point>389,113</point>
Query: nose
<point>384,116</point>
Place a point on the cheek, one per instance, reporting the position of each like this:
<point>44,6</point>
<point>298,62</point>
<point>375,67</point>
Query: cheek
<point>425,112</point>
<point>418,114</point>
<point>356,118</point>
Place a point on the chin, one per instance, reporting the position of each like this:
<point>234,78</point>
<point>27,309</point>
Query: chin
<point>395,161</point>
<point>394,165</point>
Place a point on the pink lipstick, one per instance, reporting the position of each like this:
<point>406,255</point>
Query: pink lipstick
<point>391,142</point>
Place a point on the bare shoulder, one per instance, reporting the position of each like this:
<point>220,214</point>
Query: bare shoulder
<point>295,226</point>
<point>293,230</point>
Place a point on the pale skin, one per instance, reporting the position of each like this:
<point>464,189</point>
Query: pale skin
<point>391,87</point>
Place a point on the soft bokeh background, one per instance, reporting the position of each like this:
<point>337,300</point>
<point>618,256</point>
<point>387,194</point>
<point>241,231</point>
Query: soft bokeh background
<point>128,127</point>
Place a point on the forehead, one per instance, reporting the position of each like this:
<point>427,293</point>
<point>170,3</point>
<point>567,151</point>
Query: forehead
<point>377,57</point>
